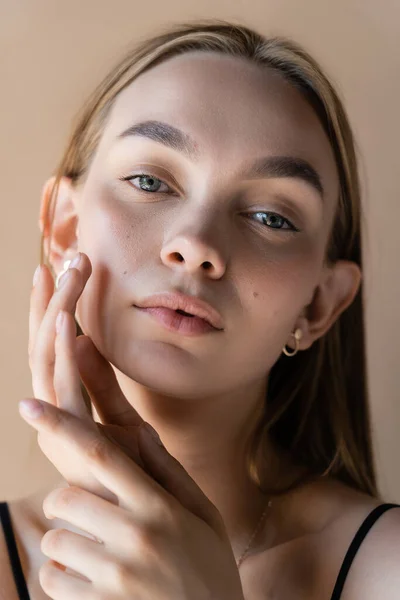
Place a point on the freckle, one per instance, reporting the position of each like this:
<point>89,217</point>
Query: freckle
<point>255,294</point>
<point>125,272</point>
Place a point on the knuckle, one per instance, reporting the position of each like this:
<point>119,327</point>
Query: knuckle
<point>145,540</point>
<point>37,356</point>
<point>120,575</point>
<point>137,538</point>
<point>98,450</point>
<point>57,420</point>
<point>50,363</point>
<point>165,513</point>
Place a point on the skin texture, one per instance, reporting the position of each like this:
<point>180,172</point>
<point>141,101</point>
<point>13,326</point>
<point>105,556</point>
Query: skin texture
<point>202,393</point>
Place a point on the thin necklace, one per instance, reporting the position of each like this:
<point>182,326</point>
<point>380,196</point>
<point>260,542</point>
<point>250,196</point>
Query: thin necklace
<point>241,559</point>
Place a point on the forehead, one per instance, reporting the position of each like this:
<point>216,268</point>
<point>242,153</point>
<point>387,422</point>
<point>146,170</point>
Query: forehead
<point>235,111</point>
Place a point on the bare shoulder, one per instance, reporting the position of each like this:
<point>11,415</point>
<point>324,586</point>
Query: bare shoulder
<point>374,572</point>
<point>304,564</point>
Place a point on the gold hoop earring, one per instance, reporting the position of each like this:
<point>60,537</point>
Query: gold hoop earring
<point>297,335</point>
<point>61,273</point>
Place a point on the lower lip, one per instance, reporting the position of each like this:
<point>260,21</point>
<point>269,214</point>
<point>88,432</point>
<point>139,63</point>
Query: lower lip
<point>178,323</point>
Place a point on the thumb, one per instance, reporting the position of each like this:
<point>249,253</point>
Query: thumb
<point>174,478</point>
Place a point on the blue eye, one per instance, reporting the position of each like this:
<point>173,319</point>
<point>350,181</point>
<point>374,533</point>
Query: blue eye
<point>149,182</point>
<point>273,220</point>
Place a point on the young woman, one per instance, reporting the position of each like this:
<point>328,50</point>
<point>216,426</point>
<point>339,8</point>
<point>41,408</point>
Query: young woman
<point>216,167</point>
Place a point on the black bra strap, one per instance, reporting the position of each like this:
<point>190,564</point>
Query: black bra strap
<point>355,544</point>
<point>16,566</point>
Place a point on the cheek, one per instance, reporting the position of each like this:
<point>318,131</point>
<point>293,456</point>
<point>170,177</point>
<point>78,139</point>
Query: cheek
<point>117,233</point>
<point>276,291</point>
<point>117,239</point>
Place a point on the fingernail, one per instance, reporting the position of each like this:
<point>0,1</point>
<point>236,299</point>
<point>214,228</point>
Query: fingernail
<point>30,408</point>
<point>153,433</point>
<point>75,261</point>
<point>64,277</point>
<point>36,274</point>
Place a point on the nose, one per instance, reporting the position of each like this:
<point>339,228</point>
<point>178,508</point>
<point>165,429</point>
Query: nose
<point>189,253</point>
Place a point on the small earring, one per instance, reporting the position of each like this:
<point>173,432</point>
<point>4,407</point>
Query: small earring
<point>297,335</point>
<point>61,273</point>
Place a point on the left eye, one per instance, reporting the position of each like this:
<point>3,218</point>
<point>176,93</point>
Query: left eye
<point>274,220</point>
<point>149,182</point>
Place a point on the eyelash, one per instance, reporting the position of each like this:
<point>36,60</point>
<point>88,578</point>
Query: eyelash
<point>292,228</point>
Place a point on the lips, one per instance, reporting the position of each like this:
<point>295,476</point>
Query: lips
<point>192,306</point>
<point>176,322</point>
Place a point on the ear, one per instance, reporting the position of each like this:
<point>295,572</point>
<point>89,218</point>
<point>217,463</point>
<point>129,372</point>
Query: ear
<point>64,239</point>
<point>332,296</point>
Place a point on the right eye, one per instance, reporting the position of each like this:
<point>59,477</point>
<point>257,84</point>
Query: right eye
<point>149,182</point>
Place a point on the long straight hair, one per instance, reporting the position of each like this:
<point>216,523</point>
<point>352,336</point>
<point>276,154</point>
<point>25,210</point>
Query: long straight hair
<point>317,413</point>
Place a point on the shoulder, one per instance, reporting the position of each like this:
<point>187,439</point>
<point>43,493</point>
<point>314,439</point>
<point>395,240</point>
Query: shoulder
<point>305,565</point>
<point>374,571</point>
<point>376,567</point>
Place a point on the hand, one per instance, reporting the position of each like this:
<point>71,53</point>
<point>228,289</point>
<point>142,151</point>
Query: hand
<point>162,541</point>
<point>76,358</point>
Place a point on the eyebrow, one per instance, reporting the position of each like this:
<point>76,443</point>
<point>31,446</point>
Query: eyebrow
<point>268,166</point>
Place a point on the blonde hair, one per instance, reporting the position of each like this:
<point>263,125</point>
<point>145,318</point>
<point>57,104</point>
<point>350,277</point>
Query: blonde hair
<point>317,412</point>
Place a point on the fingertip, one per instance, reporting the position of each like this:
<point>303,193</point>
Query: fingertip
<point>30,408</point>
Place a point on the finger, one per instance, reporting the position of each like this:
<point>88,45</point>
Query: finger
<point>39,300</point>
<point>59,585</point>
<point>43,354</point>
<point>67,381</point>
<point>95,516</point>
<point>102,385</point>
<point>135,489</point>
<point>77,552</point>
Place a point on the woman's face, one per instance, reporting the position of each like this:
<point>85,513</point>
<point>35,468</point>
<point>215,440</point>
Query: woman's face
<point>204,210</point>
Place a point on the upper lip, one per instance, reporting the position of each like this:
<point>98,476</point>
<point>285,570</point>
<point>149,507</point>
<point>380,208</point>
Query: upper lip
<point>190,304</point>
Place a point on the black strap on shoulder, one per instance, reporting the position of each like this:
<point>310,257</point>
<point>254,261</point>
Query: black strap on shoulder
<point>19,579</point>
<point>355,544</point>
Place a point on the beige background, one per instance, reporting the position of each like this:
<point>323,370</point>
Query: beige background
<point>52,53</point>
